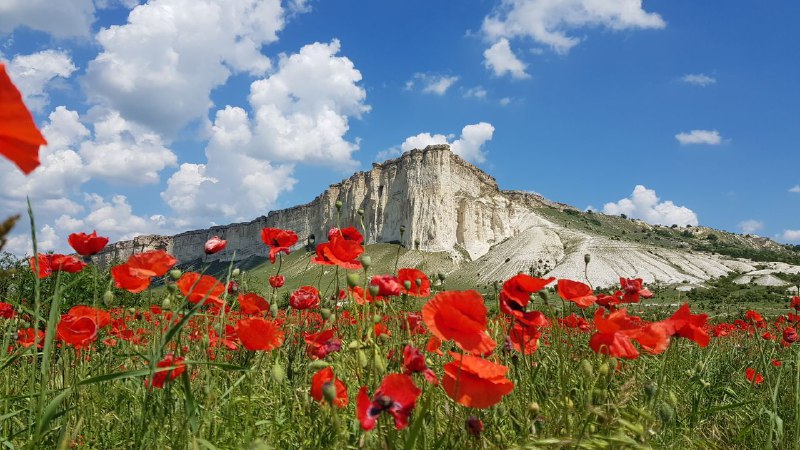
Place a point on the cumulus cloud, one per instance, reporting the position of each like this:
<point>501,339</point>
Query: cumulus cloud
<point>469,145</point>
<point>547,22</point>
<point>707,137</point>
<point>644,204</point>
<point>160,67</point>
<point>62,18</point>
<point>501,60</point>
<point>475,92</point>
<point>46,240</point>
<point>32,73</point>
<point>431,83</point>
<point>751,226</point>
<point>791,235</point>
<point>795,189</point>
<point>505,101</point>
<point>114,217</point>
<point>698,79</point>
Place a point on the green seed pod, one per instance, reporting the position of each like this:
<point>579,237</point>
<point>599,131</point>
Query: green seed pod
<point>366,261</point>
<point>329,391</point>
<point>325,313</point>
<point>603,369</point>
<point>543,295</point>
<point>402,229</point>
<point>273,309</point>
<point>362,359</point>
<point>586,368</point>
<point>338,205</point>
<point>380,362</point>
<point>666,412</point>
<point>236,272</point>
<point>407,284</point>
<point>586,258</point>
<point>318,364</point>
<point>108,298</point>
<point>166,303</point>
<point>374,290</point>
<point>353,279</point>
<point>278,373</point>
<point>673,398</point>
<point>534,408</point>
<point>175,274</point>
<point>376,318</point>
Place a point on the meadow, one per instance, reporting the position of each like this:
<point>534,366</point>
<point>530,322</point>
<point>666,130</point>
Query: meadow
<point>322,349</point>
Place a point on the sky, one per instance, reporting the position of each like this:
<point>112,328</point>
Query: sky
<point>168,115</point>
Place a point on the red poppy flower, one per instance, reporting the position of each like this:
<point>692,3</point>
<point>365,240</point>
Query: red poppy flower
<point>78,332</point>
<point>323,377</point>
<point>196,288</point>
<point>573,321</point>
<point>474,426</point>
<point>789,335</point>
<point>420,284</point>
<point>388,285</point>
<point>776,363</point>
<point>101,317</point>
<point>135,275</point>
<point>25,337</point>
<point>278,241</point>
<point>414,362</point>
<point>252,304</point>
<point>459,316</point>
<point>414,324</point>
<point>304,298</point>
<point>632,289</point>
<point>339,252</point>
<point>475,382</point>
<point>397,395</point>
<point>214,245</point>
<point>257,333</point>
<point>576,292</point>
<point>795,302</point>
<point>434,345</point>
<point>684,324</point>
<point>161,377</point>
<point>613,336</point>
<point>87,244</point>
<point>319,345</point>
<point>654,338</point>
<point>525,338</point>
<point>516,292</point>
<point>277,281</point>
<point>7,310</point>
<point>19,138</point>
<point>49,263</point>
<point>349,233</point>
<point>380,329</point>
<point>753,377</point>
<point>361,298</point>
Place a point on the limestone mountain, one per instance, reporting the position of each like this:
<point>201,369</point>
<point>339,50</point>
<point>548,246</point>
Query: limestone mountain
<point>449,207</point>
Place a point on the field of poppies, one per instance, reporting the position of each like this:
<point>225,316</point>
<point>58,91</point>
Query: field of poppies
<point>95,358</point>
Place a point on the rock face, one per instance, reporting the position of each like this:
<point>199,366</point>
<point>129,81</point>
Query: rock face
<point>446,204</point>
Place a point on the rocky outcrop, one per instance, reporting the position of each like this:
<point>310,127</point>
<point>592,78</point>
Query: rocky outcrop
<point>446,204</point>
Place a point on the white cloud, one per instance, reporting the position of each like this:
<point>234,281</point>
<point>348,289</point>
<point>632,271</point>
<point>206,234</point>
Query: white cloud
<point>698,79</point>
<point>751,226</point>
<point>548,21</point>
<point>231,185</point>
<point>791,235</point>
<point>302,111</point>
<point>469,145</point>
<point>644,204</point>
<point>708,137</point>
<point>125,152</point>
<point>114,218</point>
<point>32,73</point>
<point>60,18</point>
<point>501,60</point>
<point>795,189</point>
<point>505,101</point>
<point>160,67</point>
<point>475,92</point>
<point>432,83</point>
<point>46,240</point>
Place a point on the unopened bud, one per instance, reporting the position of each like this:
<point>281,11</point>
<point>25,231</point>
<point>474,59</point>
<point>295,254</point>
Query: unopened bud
<point>650,390</point>
<point>402,229</point>
<point>586,368</point>
<point>236,272</point>
<point>416,244</point>
<point>586,258</point>
<point>362,359</point>
<point>380,362</point>
<point>318,364</point>
<point>534,408</point>
<point>354,345</point>
<point>376,318</point>
<point>543,295</point>
<point>360,212</point>
<point>278,373</point>
<point>374,290</point>
<point>407,284</point>
<point>353,279</point>
<point>603,369</point>
<point>665,412</point>
<point>108,298</point>
<point>273,309</point>
<point>175,274</point>
<point>166,303</point>
<point>338,204</point>
<point>325,313</point>
<point>366,261</point>
<point>329,391</point>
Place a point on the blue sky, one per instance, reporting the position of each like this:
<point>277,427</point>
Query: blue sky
<point>169,115</point>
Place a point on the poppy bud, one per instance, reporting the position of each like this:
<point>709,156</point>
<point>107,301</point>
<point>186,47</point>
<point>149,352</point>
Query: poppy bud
<point>673,398</point>
<point>366,261</point>
<point>402,229</point>
<point>586,258</point>
<point>273,309</point>
<point>354,345</point>
<point>374,289</point>
<point>353,279</point>
<point>166,303</point>
<point>329,391</point>
<point>362,359</point>
<point>108,298</point>
<point>325,313</point>
<point>474,426</point>
<point>278,374</point>
<point>175,274</point>
<point>416,244</point>
<point>318,364</point>
<point>534,408</point>
<point>236,272</point>
<point>131,310</point>
<point>376,318</point>
<point>665,412</point>
<point>650,390</point>
<point>586,368</point>
<point>603,369</point>
<point>360,212</point>
<point>379,361</point>
<point>543,295</point>
<point>338,205</point>
<point>441,276</point>
<point>407,284</point>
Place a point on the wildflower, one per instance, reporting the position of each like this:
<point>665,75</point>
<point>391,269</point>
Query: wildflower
<point>278,241</point>
<point>613,336</point>
<point>397,395</point>
<point>7,310</point>
<point>277,281</point>
<point>19,138</point>
<point>197,288</point>
<point>459,316</point>
<point>257,333</point>
<point>135,275</point>
<point>339,251</point>
<point>632,289</point>
<point>420,284</point>
<point>27,337</point>
<point>388,285</point>
<point>87,244</point>
<point>525,338</point>
<point>321,344</point>
<point>684,324</point>
<point>474,426</point>
<point>252,304</point>
<point>304,298</point>
<point>214,245</point>
<point>78,332</point>
<point>573,321</point>
<point>161,377</point>
<point>752,376</point>
<point>414,362</point>
<point>795,302</point>
<point>609,301</point>
<point>326,377</point>
<point>756,318</point>
<point>776,363</point>
<point>789,335</point>
<point>49,263</point>
<point>101,317</point>
<point>576,292</point>
<point>475,382</point>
